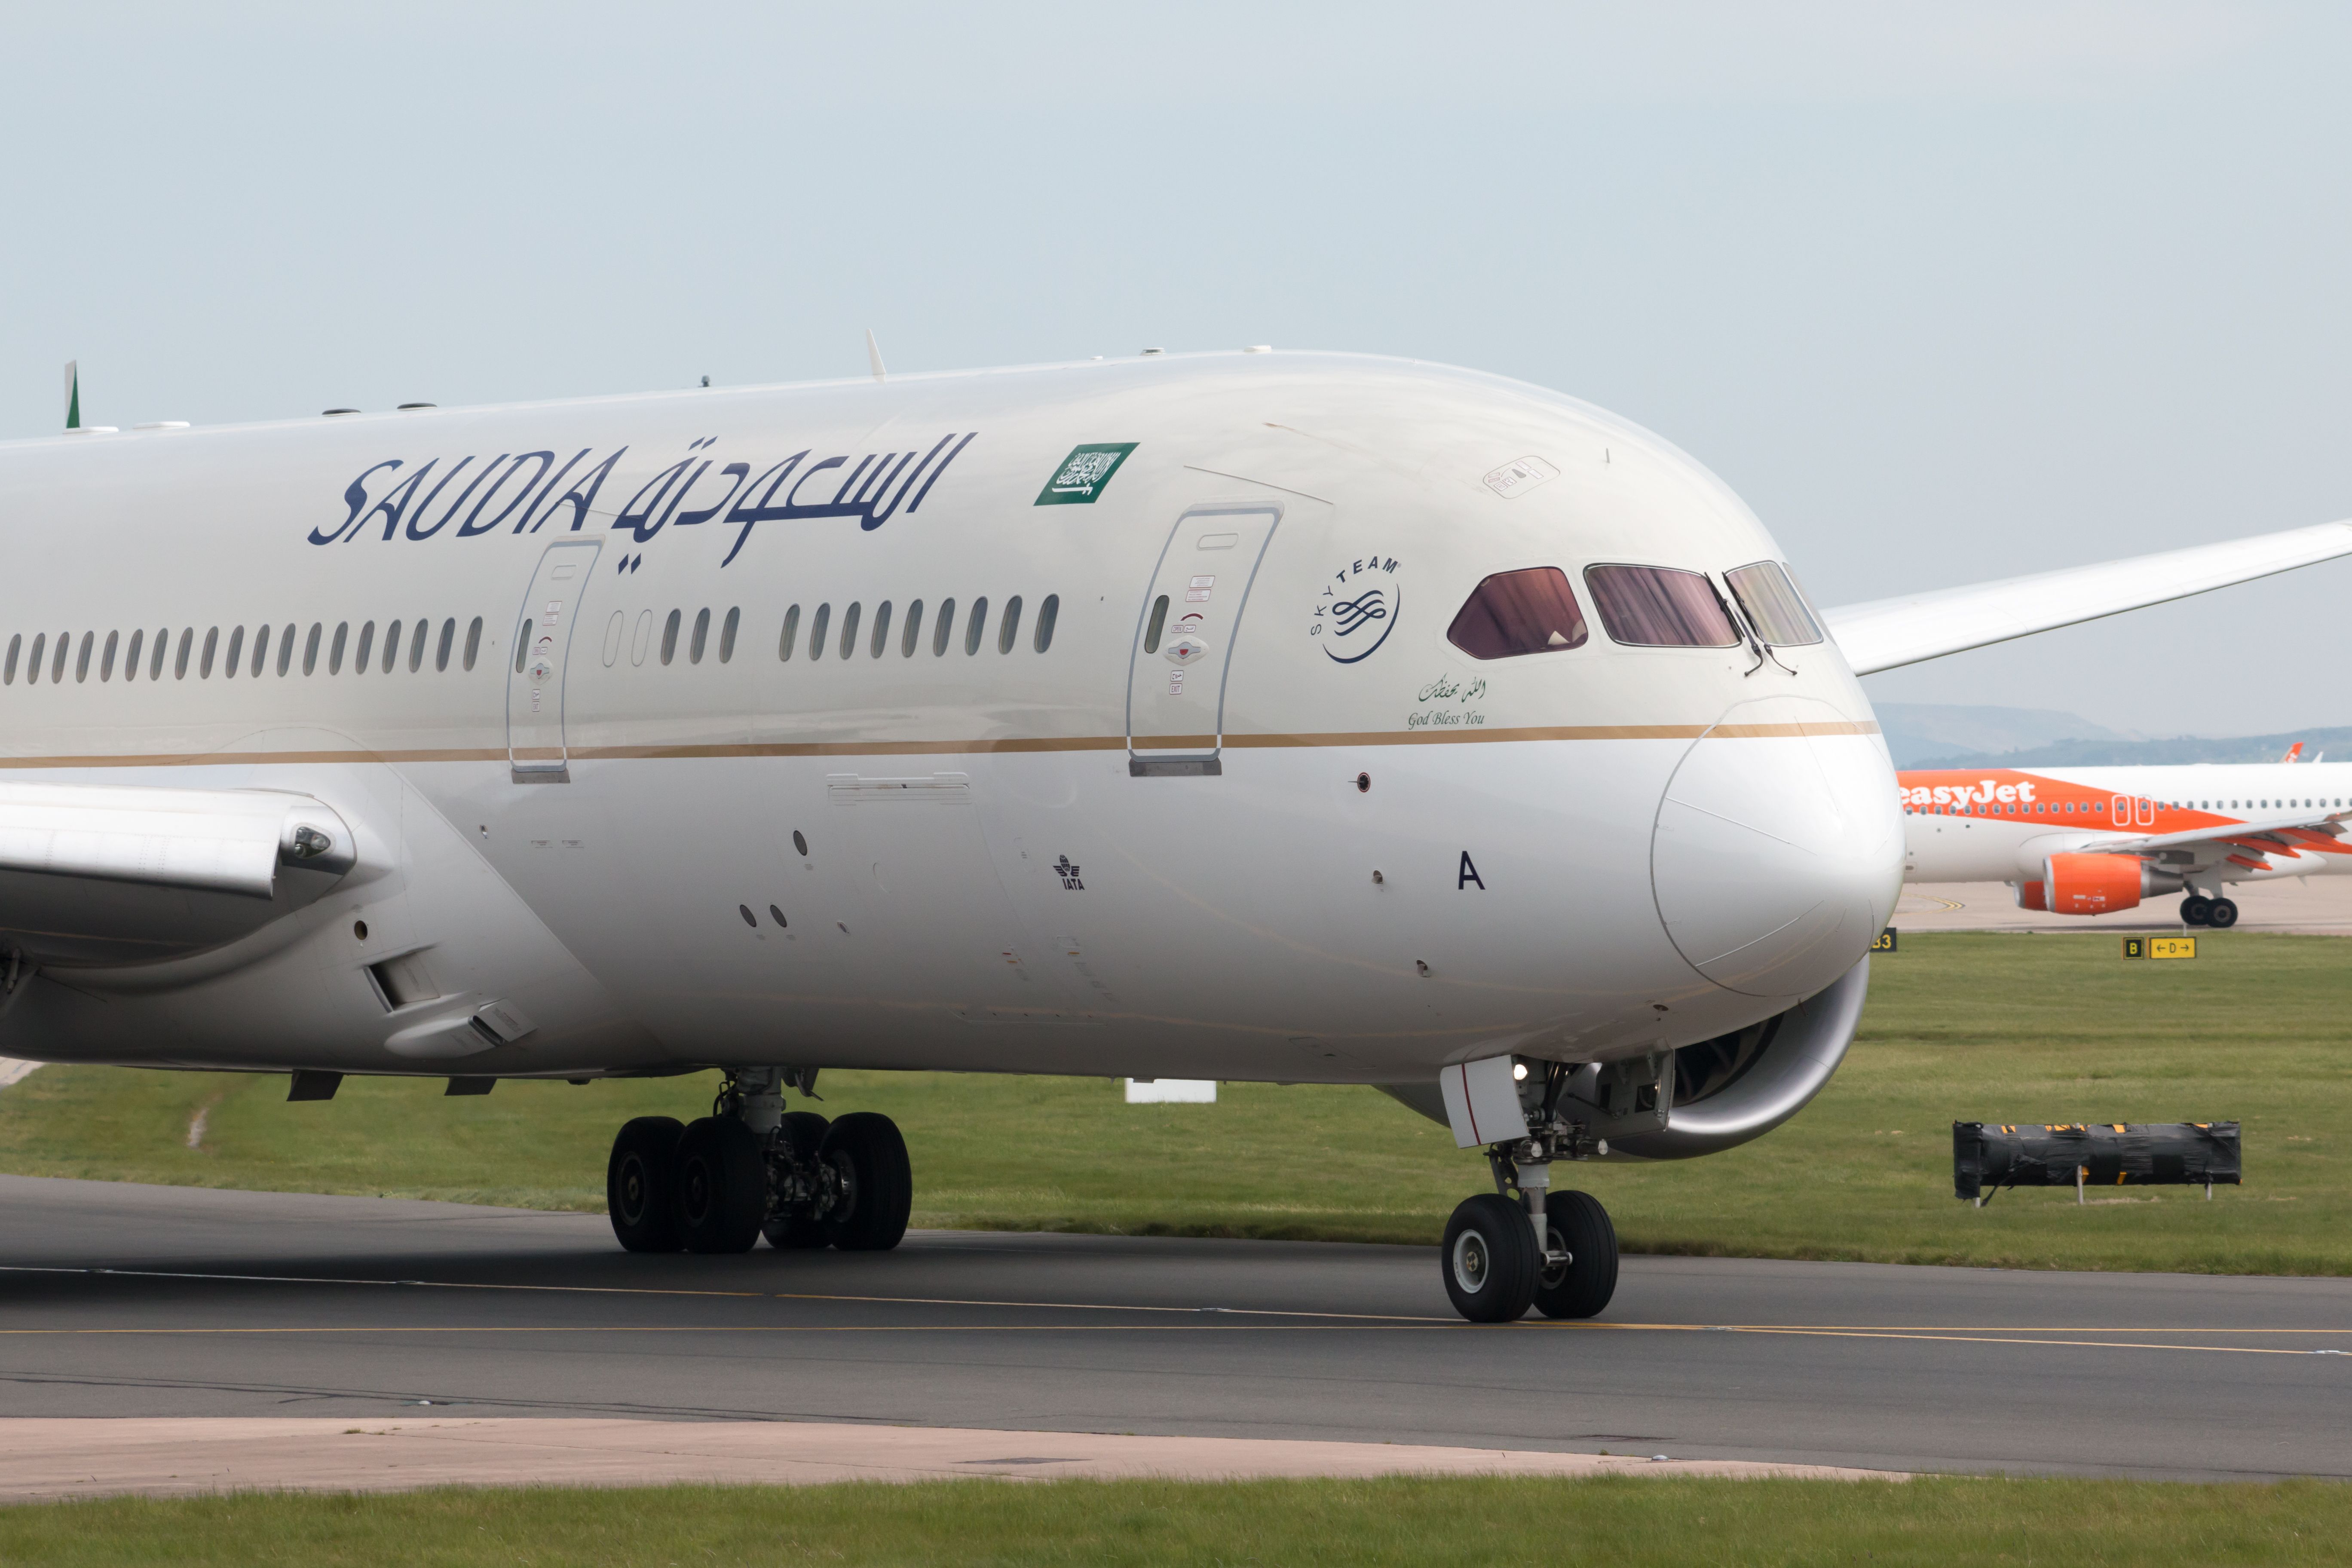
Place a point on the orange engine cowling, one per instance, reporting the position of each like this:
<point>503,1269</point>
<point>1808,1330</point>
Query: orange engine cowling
<point>2094,884</point>
<point>2028,896</point>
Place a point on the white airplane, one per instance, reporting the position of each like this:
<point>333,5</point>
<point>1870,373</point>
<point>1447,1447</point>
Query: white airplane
<point>1248,716</point>
<point>2092,841</point>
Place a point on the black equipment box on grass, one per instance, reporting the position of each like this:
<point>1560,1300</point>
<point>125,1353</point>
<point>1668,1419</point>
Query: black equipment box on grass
<point>1986,1157</point>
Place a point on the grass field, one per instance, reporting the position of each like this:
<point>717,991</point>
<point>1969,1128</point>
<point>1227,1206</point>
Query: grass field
<point>1962,1027</point>
<point>1621,1522</point>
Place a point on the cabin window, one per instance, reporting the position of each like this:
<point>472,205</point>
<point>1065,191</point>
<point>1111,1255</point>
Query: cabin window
<point>849,627</point>
<point>1772,605</point>
<point>236,653</point>
<point>1513,612</point>
<point>702,635</point>
<point>473,641</point>
<point>417,631</point>
<point>441,651</point>
<point>817,631</point>
<point>391,646</point>
<point>286,648</point>
<point>33,666</point>
<point>1047,614</point>
<point>212,645</point>
<point>129,655</point>
<point>669,635</point>
<point>881,639</point>
<point>914,632</point>
<point>1156,625</point>
<point>58,660</point>
<point>260,649</point>
<point>727,635</point>
<point>792,626</point>
<point>941,629</point>
<point>105,658</point>
<point>973,623</point>
<point>311,649</point>
<point>367,645</point>
<point>156,659</point>
<point>1008,625</point>
<point>335,650</point>
<point>1658,607</point>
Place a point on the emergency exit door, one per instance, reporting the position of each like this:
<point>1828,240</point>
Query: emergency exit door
<point>1185,637</point>
<point>551,610</point>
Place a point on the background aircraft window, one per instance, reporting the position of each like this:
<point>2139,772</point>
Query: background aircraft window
<point>974,623</point>
<point>473,641</point>
<point>236,653</point>
<point>58,660</point>
<point>16,647</point>
<point>391,646</point>
<point>669,635</point>
<point>106,658</point>
<point>129,655</point>
<point>204,665</point>
<point>849,627</point>
<point>914,632</point>
<point>1658,607</point>
<point>727,635</point>
<point>792,626</point>
<point>1047,614</point>
<point>310,650</point>
<point>702,635</point>
<point>335,653</point>
<point>440,652</point>
<point>817,631</point>
<point>1008,628</point>
<point>881,629</point>
<point>1157,624</point>
<point>367,643</point>
<point>33,666</point>
<point>941,629</point>
<point>1512,613</point>
<point>1773,606</point>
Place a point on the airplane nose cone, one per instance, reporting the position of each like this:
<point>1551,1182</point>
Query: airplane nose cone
<point>1777,851</point>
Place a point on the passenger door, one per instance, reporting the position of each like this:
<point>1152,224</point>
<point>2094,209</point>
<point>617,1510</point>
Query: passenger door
<point>1184,638</point>
<point>551,610</point>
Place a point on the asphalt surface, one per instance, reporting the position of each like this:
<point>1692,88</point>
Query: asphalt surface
<point>2312,906</point>
<point>119,1300</point>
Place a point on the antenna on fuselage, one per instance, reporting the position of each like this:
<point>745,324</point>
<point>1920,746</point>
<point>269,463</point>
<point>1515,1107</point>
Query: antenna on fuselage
<point>73,395</point>
<point>874,356</point>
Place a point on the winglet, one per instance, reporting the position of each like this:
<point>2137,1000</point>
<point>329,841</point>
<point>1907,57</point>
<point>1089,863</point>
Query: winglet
<point>73,395</point>
<point>874,356</point>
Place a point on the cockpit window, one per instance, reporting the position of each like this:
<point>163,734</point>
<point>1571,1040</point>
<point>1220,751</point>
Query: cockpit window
<point>1512,613</point>
<point>1773,606</point>
<point>1657,606</point>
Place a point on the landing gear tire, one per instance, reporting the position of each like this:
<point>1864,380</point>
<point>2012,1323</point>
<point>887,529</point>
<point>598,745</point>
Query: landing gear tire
<point>2224,914</point>
<point>2195,910</point>
<point>876,1190</point>
<point>804,1131</point>
<point>1490,1259</point>
<point>1581,1287</point>
<point>641,1184</point>
<point>722,1185</point>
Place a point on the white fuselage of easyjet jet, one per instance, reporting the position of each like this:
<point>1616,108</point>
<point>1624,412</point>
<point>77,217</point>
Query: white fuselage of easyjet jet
<point>2196,826</point>
<point>836,724</point>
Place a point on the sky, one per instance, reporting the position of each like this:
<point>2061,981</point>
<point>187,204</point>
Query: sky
<point>1946,293</point>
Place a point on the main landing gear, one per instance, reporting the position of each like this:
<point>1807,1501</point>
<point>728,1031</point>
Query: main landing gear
<point>750,1168</point>
<point>1497,1268</point>
<point>2197,910</point>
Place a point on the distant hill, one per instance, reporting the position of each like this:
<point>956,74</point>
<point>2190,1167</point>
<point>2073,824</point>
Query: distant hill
<point>1958,736</point>
<point>2081,753</point>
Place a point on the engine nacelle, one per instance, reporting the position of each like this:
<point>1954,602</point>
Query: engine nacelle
<point>2095,884</point>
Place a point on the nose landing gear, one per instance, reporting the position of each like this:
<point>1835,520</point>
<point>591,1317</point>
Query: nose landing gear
<point>750,1169</point>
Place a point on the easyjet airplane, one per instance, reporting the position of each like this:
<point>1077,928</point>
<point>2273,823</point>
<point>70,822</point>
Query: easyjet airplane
<point>2091,841</point>
<point>1255,716</point>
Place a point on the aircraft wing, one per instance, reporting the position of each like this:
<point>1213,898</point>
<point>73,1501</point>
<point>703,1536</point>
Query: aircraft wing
<point>2309,831</point>
<point>1885,633</point>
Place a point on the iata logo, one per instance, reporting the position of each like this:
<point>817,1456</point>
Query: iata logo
<point>1356,609</point>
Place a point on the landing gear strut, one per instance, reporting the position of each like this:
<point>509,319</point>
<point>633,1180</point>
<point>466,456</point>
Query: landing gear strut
<point>1495,1266</point>
<point>751,1168</point>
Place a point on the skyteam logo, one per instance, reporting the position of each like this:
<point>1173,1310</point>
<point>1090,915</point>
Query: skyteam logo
<point>1357,609</point>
